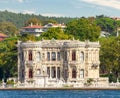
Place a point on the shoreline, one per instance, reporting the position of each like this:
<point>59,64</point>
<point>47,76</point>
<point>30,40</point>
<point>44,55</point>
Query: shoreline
<point>65,88</point>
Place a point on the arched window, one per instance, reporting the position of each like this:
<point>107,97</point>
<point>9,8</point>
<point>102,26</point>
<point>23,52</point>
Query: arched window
<point>53,56</point>
<point>74,74</point>
<point>73,55</point>
<point>82,73</point>
<point>30,73</point>
<point>30,55</point>
<point>38,71</point>
<point>82,57</point>
<point>38,56</point>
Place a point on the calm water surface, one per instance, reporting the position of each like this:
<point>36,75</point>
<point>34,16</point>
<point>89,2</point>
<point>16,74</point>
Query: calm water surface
<point>60,94</point>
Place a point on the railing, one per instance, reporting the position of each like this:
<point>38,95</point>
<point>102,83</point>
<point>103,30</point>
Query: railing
<point>56,84</point>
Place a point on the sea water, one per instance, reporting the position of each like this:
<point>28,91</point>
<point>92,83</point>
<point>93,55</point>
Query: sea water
<point>60,94</point>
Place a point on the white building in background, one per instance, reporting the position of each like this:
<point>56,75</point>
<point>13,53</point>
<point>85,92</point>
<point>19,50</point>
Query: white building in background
<point>32,29</point>
<point>51,63</point>
<point>37,30</point>
<point>104,34</point>
<point>51,25</point>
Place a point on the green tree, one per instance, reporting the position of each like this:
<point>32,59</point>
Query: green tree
<point>49,21</point>
<point>27,37</point>
<point>56,33</point>
<point>8,58</point>
<point>110,57</point>
<point>34,21</point>
<point>107,24</point>
<point>19,19</point>
<point>8,28</point>
<point>83,29</point>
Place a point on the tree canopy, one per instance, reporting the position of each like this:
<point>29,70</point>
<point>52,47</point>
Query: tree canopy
<point>83,29</point>
<point>8,58</point>
<point>8,28</point>
<point>110,57</point>
<point>107,24</point>
<point>20,19</point>
<point>34,21</point>
<point>56,33</point>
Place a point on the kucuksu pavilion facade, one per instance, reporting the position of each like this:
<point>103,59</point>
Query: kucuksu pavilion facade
<point>59,62</point>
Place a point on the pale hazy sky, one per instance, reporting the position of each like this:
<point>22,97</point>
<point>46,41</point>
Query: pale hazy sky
<point>69,8</point>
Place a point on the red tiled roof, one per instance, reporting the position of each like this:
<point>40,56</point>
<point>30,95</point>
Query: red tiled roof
<point>34,26</point>
<point>2,36</point>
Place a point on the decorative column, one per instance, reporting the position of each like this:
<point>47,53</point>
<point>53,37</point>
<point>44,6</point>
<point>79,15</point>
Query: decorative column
<point>50,72</point>
<point>56,72</point>
<point>50,55</point>
<point>77,72</point>
<point>61,73</point>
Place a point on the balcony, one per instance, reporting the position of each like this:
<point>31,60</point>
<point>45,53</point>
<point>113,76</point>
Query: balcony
<point>29,63</point>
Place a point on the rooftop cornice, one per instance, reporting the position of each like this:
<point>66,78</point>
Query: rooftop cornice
<point>59,43</point>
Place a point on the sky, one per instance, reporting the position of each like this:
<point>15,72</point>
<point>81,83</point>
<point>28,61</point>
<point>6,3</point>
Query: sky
<point>64,8</point>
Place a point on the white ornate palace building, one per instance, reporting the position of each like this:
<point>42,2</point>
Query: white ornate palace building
<point>58,63</point>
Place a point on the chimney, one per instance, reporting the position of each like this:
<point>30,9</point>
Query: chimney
<point>31,24</point>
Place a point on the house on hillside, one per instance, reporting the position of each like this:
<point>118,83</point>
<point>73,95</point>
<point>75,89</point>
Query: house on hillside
<point>32,29</point>
<point>37,29</point>
<point>51,25</point>
<point>115,18</point>
<point>104,34</point>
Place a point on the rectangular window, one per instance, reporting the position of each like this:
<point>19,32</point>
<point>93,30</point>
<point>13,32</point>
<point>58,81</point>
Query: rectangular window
<point>58,56</point>
<point>53,72</point>
<point>30,73</point>
<point>73,55</point>
<point>30,55</point>
<point>48,71</point>
<point>53,56</point>
<point>48,56</point>
<point>38,56</point>
<point>58,72</point>
<point>82,73</point>
<point>82,57</point>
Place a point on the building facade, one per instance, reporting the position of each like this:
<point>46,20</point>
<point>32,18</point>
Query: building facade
<point>51,62</point>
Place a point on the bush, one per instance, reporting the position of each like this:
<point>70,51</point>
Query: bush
<point>10,82</point>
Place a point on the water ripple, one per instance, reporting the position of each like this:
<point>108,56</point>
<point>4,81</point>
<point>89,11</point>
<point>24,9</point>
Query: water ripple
<point>60,94</point>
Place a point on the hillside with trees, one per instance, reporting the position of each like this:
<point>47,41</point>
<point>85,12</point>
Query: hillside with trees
<point>19,19</point>
<point>105,23</point>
